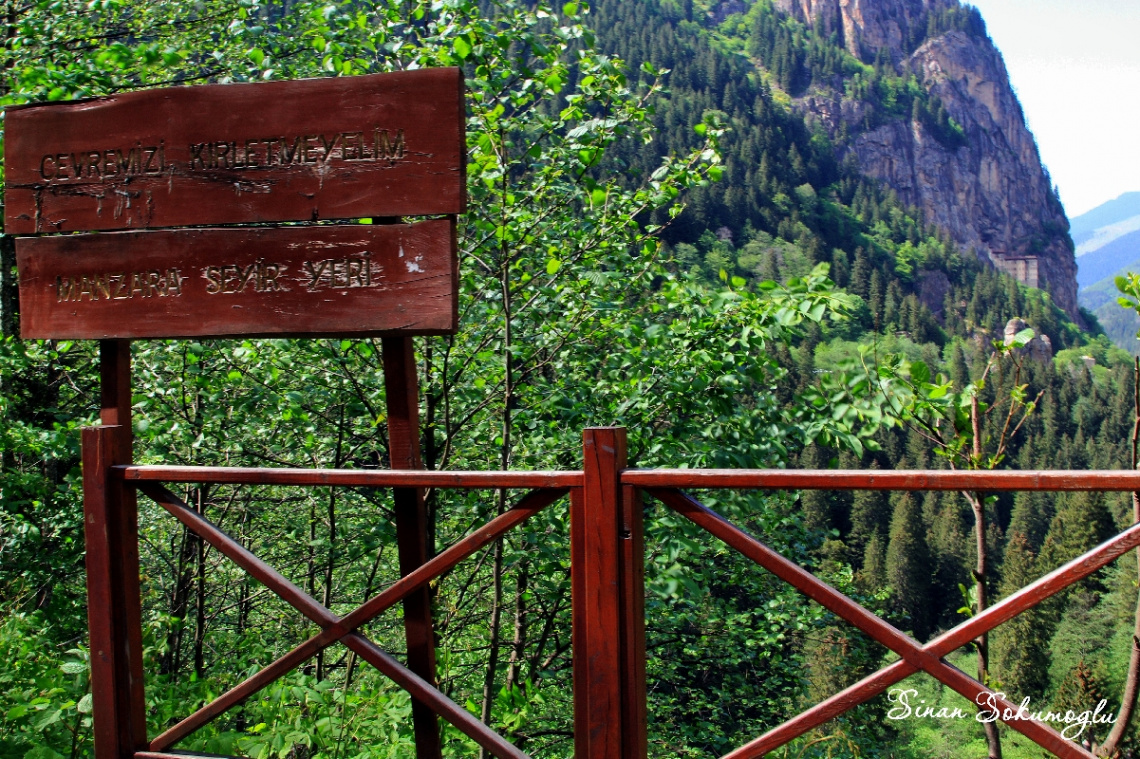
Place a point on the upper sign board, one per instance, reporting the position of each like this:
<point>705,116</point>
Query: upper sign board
<point>339,148</point>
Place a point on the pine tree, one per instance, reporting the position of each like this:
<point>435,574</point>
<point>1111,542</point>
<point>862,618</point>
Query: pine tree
<point>816,509</point>
<point>908,564</point>
<point>870,516</point>
<point>873,576</point>
<point>1020,647</point>
<point>1082,522</point>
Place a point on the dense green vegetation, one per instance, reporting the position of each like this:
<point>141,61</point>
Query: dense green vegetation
<point>766,324</point>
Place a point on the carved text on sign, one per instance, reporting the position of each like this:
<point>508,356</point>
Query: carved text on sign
<point>339,273</point>
<point>377,145</point>
<point>234,278</point>
<point>96,164</point>
<point>118,286</point>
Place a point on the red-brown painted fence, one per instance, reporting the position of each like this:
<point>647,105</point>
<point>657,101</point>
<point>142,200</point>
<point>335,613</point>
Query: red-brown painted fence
<point>607,560</point>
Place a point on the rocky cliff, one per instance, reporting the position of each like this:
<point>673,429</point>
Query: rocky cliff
<point>987,189</point>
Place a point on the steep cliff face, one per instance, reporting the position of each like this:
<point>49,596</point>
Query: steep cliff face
<point>866,26</point>
<point>988,191</point>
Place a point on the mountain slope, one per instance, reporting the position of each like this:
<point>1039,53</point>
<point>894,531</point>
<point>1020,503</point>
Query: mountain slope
<point>960,149</point>
<point>827,149</point>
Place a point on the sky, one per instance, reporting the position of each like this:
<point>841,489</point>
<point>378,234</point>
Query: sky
<point>1075,65</point>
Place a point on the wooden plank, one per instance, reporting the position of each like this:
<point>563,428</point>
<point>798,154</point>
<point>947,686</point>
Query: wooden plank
<point>412,532</point>
<point>340,280</point>
<point>635,740</point>
<point>595,520</point>
<point>336,148</point>
<point>840,479</point>
<point>377,478</point>
<point>111,539</point>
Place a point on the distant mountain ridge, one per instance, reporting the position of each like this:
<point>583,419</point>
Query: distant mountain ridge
<point>1115,211</point>
<point>1108,245</point>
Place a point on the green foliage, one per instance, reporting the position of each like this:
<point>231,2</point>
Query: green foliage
<point>721,332</point>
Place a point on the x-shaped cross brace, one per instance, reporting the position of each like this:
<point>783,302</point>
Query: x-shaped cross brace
<point>336,629</point>
<point>915,656</point>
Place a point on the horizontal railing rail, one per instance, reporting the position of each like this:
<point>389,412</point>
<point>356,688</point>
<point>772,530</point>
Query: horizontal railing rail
<point>849,479</point>
<point>378,478</point>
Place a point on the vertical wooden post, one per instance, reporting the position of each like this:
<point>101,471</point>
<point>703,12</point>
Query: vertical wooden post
<point>402,391</point>
<point>635,744</point>
<point>111,534</point>
<point>596,522</point>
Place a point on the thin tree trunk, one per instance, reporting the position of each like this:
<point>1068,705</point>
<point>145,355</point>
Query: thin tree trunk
<point>311,563</point>
<point>326,595</point>
<point>981,574</point>
<point>330,562</point>
<point>1132,680</point>
<point>495,642</point>
<point>200,597</point>
<point>518,645</point>
<point>504,461</point>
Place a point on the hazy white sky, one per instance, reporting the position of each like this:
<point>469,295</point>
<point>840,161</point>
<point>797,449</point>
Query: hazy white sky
<point>1076,67</point>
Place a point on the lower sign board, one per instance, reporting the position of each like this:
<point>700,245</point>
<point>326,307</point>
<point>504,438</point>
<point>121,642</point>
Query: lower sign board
<point>342,280</point>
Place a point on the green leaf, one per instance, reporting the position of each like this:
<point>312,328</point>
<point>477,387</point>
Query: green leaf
<point>553,265</point>
<point>462,47</point>
<point>570,9</point>
<point>920,372</point>
<point>1022,338</point>
<point>85,704</point>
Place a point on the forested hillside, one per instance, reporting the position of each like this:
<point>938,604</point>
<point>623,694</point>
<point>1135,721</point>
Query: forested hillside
<point>658,238</point>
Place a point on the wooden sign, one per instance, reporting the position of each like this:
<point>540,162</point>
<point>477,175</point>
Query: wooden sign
<point>338,148</point>
<point>356,279</point>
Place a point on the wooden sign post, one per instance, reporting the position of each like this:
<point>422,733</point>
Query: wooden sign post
<point>137,167</point>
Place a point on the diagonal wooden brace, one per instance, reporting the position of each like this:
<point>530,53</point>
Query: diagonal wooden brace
<point>335,628</point>
<point>1006,609</point>
<point>913,654</point>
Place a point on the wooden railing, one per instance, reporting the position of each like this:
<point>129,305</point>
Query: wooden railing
<point>607,564</point>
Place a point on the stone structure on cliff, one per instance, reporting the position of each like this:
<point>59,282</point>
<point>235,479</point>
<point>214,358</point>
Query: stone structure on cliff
<point>992,194</point>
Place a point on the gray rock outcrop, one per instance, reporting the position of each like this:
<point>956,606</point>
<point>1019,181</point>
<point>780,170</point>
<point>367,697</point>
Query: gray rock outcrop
<point>991,194</point>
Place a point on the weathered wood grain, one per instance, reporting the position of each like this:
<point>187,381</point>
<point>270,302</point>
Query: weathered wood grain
<point>337,148</point>
<point>340,280</point>
<point>412,536</point>
<point>595,579</point>
<point>115,638</point>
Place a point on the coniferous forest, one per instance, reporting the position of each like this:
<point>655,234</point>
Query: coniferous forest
<point>656,239</point>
